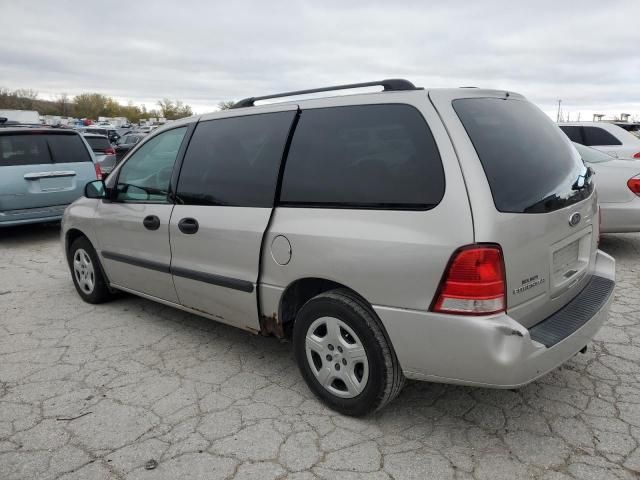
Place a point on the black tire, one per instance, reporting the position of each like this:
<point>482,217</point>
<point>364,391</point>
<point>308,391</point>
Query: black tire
<point>100,292</point>
<point>385,378</point>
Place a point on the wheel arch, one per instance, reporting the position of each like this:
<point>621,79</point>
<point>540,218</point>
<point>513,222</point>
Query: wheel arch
<point>294,296</point>
<point>71,236</point>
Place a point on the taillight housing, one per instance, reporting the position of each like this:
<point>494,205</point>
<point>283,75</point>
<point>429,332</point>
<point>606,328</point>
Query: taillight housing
<point>473,283</point>
<point>110,151</point>
<point>636,155</point>
<point>634,185</point>
<point>98,171</point>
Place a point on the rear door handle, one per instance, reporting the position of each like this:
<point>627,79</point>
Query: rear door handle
<point>151,222</point>
<point>188,225</point>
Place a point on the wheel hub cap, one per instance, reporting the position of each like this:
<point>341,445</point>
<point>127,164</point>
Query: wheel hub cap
<point>83,271</point>
<point>337,357</point>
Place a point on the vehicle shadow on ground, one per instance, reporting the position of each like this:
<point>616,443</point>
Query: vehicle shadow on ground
<point>29,234</point>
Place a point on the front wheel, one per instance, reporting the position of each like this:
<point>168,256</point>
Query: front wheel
<point>87,274</point>
<point>344,354</point>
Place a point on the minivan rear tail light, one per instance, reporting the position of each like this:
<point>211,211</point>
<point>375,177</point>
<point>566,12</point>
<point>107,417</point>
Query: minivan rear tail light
<point>636,155</point>
<point>110,151</point>
<point>634,185</point>
<point>98,171</point>
<point>473,283</point>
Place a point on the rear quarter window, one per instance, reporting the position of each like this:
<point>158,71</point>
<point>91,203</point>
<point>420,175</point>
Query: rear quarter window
<point>363,156</point>
<point>530,165</point>
<point>599,136</point>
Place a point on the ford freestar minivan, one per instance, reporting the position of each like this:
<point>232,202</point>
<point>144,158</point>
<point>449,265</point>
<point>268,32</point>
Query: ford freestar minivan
<point>440,235</point>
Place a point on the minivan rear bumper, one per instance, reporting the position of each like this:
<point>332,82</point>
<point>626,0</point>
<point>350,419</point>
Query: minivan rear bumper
<point>498,351</point>
<point>9,218</point>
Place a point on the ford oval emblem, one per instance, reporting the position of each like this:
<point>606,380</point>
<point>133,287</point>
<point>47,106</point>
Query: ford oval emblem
<point>574,219</point>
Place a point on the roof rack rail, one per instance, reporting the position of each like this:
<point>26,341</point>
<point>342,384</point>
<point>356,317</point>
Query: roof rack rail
<point>392,84</point>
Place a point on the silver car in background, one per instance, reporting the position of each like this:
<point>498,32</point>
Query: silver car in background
<point>618,184</point>
<point>103,152</point>
<point>441,235</point>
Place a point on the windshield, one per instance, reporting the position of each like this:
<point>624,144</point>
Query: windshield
<point>591,155</point>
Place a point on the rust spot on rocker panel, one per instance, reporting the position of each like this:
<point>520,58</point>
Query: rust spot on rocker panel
<point>269,325</point>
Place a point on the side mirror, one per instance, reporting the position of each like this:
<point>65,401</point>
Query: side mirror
<point>95,189</point>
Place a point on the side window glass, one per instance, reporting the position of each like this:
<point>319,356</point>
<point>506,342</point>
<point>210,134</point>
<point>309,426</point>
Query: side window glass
<point>234,161</point>
<point>145,177</point>
<point>599,136</point>
<point>364,156</point>
<point>573,132</point>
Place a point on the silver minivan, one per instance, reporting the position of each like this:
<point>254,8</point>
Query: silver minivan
<point>441,235</point>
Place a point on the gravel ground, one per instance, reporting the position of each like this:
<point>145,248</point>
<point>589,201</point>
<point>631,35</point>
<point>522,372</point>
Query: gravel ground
<point>97,392</point>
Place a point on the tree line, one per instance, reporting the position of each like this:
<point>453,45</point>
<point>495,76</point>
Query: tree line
<point>90,105</point>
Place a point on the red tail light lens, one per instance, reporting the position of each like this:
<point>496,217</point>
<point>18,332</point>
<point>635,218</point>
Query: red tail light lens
<point>636,155</point>
<point>98,171</point>
<point>474,282</point>
<point>634,185</point>
<point>110,151</point>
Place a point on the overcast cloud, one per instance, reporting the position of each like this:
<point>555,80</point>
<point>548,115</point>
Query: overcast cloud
<point>586,53</point>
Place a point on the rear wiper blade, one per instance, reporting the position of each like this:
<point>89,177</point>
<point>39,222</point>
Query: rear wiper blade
<point>583,180</point>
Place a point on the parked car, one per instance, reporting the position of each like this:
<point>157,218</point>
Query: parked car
<point>618,184</point>
<point>404,233</point>
<point>604,136</point>
<point>110,133</point>
<point>631,127</point>
<point>42,170</point>
<point>146,129</point>
<point>126,143</point>
<point>103,152</point>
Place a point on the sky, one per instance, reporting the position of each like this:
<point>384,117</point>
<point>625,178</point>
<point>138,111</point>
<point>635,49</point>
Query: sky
<point>586,53</point>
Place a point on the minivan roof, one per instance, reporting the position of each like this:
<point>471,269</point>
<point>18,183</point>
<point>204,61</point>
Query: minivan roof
<point>43,129</point>
<point>460,92</point>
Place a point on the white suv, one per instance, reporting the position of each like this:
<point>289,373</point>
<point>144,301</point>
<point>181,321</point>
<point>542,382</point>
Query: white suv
<point>604,136</point>
<point>442,235</point>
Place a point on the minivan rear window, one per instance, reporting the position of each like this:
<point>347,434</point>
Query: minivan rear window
<point>68,149</point>
<point>363,156</point>
<point>35,148</point>
<point>530,165</point>
<point>98,144</point>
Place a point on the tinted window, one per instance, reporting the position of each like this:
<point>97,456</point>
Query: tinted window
<point>68,148</point>
<point>24,150</point>
<point>573,132</point>
<point>98,143</point>
<point>531,166</point>
<point>599,136</point>
<point>368,156</point>
<point>38,148</point>
<point>147,173</point>
<point>234,161</point>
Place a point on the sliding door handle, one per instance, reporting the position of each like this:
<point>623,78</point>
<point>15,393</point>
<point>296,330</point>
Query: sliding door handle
<point>151,222</point>
<point>188,225</point>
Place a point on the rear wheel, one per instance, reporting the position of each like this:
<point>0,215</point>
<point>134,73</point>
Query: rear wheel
<point>344,354</point>
<point>87,274</point>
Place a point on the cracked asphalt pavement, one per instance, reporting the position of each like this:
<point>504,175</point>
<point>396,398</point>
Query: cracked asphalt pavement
<point>136,390</point>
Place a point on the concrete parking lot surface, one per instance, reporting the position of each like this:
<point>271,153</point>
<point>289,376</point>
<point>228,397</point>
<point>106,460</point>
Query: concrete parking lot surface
<point>133,389</point>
